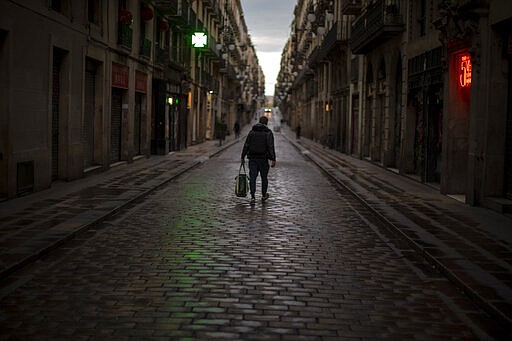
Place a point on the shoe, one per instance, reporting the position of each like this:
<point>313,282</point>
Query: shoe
<point>253,200</point>
<point>264,197</point>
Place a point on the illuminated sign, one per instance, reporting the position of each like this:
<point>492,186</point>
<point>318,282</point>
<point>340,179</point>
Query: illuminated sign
<point>199,39</point>
<point>464,67</point>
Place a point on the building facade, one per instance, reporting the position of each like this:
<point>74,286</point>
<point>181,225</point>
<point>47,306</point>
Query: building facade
<point>101,83</point>
<point>420,87</point>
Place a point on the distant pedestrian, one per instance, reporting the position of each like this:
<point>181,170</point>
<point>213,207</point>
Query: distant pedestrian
<point>259,149</point>
<point>236,129</point>
<point>220,131</point>
<point>297,132</point>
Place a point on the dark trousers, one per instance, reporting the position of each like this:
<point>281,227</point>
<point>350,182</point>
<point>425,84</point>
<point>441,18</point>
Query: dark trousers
<point>262,167</point>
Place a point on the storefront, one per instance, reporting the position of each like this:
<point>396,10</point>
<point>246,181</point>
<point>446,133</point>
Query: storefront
<point>508,144</point>
<point>139,116</point>
<point>119,108</point>
<point>425,93</point>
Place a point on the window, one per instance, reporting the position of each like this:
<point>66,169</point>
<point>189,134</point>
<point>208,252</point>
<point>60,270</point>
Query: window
<point>56,5</point>
<point>422,18</point>
<point>122,4</point>
<point>93,11</point>
<point>61,6</point>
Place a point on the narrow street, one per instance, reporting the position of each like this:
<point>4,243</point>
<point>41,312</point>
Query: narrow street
<point>192,261</point>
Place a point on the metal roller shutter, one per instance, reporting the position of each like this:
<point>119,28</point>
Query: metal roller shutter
<point>137,139</point>
<point>89,107</point>
<point>55,114</point>
<point>508,147</point>
<point>115,125</point>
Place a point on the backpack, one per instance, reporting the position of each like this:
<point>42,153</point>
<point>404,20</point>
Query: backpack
<point>258,143</point>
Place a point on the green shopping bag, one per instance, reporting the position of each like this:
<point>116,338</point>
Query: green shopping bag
<point>241,182</point>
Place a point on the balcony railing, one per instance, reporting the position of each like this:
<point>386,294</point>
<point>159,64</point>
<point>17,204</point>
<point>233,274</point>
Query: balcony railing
<point>145,48</point>
<point>313,57</point>
<point>354,70</point>
<point>333,40</point>
<point>379,22</point>
<point>216,14</point>
<point>124,36</point>
<point>169,7</point>
<point>209,3</point>
<point>185,16</point>
<point>351,7</point>
<point>162,56</point>
<point>212,47</point>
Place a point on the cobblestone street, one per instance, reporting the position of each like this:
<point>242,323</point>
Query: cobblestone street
<point>192,261</point>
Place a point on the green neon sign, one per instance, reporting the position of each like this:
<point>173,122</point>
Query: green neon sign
<point>199,39</point>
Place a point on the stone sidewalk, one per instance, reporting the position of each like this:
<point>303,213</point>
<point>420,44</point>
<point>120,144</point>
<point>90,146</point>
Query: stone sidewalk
<point>33,225</point>
<point>472,246</point>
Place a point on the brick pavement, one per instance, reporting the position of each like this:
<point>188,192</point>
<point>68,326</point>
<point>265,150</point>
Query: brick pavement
<point>193,262</point>
<point>472,246</point>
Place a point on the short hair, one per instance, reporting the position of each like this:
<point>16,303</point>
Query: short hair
<point>264,120</point>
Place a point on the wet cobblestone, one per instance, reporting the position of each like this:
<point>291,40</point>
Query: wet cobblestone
<point>192,261</point>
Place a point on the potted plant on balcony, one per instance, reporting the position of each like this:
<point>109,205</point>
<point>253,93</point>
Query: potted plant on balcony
<point>163,26</point>
<point>125,17</point>
<point>146,13</point>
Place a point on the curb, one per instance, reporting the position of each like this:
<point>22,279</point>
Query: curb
<point>86,226</point>
<point>490,308</point>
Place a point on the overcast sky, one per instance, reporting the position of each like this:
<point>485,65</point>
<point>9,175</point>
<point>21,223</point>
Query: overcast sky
<point>268,22</point>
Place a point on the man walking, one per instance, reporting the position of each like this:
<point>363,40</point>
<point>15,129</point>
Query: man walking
<point>259,149</point>
<point>236,129</point>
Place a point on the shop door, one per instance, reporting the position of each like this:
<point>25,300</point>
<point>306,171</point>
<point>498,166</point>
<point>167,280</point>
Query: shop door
<point>115,125</point>
<point>368,128</point>
<point>173,119</point>
<point>57,62</point>
<point>379,129</point>
<point>433,141</point>
<point>508,148</point>
<point>4,155</point>
<point>355,125</point>
<point>418,142</point>
<point>89,108</point>
<point>397,133</point>
<point>137,124</point>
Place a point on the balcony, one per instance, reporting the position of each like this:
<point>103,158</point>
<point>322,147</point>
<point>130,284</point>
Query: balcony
<point>212,47</point>
<point>381,21</point>
<point>314,57</point>
<point>162,56</point>
<point>145,48</point>
<point>185,17</point>
<point>216,14</point>
<point>332,41</point>
<point>207,80</point>
<point>124,36</point>
<point>351,7</point>
<point>210,3</point>
<point>168,7</point>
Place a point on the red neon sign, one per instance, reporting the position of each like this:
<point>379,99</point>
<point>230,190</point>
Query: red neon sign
<point>465,70</point>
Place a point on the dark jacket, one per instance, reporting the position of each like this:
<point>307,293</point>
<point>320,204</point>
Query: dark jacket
<point>259,143</point>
